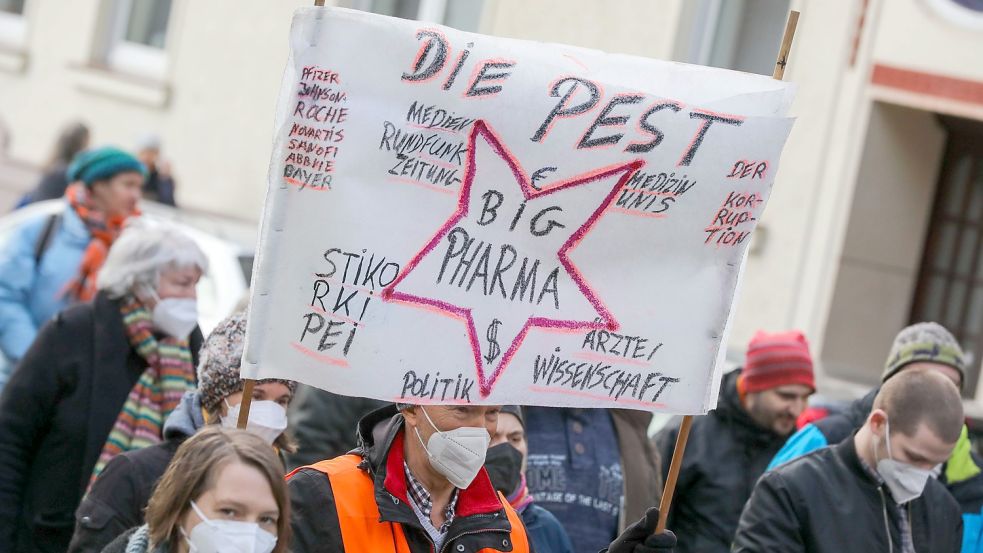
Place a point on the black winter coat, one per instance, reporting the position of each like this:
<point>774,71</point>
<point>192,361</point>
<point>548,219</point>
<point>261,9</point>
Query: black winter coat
<point>726,454</point>
<point>124,489</point>
<point>837,427</point>
<point>55,415</point>
<point>117,499</point>
<point>826,502</point>
<point>324,424</point>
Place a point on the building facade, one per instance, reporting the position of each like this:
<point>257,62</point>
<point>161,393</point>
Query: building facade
<point>876,219</point>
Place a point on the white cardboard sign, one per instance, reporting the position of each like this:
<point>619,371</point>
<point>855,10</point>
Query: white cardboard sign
<point>458,218</point>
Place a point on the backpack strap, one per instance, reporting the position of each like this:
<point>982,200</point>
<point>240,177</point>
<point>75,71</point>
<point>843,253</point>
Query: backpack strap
<point>44,239</point>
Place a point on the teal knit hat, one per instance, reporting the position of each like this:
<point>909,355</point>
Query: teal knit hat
<point>924,342</point>
<point>102,164</point>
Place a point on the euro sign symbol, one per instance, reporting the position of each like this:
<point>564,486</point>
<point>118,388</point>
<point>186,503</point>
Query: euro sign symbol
<point>493,349</point>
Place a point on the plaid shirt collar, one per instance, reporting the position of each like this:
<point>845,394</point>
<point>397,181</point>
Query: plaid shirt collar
<point>421,498</point>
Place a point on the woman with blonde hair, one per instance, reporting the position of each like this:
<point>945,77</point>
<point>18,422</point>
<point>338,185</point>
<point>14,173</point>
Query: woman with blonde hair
<point>224,490</point>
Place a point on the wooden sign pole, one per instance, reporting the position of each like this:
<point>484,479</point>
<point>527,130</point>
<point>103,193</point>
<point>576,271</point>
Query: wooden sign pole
<point>249,383</point>
<point>683,436</point>
<point>783,50</point>
<point>247,401</point>
<point>677,461</point>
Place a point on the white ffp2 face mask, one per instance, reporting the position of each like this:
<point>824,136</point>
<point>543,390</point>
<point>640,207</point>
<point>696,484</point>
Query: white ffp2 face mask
<point>458,454</point>
<point>267,419</point>
<point>228,536</point>
<point>176,317</point>
<point>905,481</point>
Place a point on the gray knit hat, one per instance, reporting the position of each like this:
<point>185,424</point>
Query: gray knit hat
<point>924,342</point>
<point>219,360</point>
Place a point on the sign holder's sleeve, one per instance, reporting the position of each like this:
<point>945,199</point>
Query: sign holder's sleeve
<point>677,454</point>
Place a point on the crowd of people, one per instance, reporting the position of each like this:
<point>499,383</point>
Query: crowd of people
<point>118,428</point>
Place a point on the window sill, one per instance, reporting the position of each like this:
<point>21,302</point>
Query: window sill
<point>129,88</point>
<point>12,60</point>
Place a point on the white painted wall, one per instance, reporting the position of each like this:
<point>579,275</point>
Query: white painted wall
<point>805,209</point>
<point>641,27</point>
<point>223,76</point>
<point>915,36</point>
<point>889,218</point>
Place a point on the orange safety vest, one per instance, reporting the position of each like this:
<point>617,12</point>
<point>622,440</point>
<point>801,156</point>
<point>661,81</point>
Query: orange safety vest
<point>358,514</point>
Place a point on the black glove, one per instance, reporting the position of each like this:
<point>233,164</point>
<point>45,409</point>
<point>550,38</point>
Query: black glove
<point>638,538</point>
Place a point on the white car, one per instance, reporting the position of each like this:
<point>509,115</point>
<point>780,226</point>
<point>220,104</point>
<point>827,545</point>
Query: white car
<point>228,243</point>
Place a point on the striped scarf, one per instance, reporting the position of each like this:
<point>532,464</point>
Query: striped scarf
<point>169,375</point>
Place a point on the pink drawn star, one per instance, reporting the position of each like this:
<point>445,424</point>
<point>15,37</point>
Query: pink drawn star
<point>575,203</point>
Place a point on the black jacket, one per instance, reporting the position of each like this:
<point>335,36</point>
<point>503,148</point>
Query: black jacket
<point>118,545</point>
<point>124,489</point>
<point>837,427</point>
<point>726,454</point>
<point>117,499</point>
<point>55,414</point>
<point>314,506</point>
<point>826,502</point>
<point>324,424</point>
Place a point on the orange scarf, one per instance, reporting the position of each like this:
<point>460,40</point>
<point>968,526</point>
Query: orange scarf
<point>104,231</point>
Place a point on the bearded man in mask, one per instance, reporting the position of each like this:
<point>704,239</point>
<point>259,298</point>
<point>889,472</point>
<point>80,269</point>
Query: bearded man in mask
<point>415,483</point>
<point>874,491</point>
<point>729,448</point>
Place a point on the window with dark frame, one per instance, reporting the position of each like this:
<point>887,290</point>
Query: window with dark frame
<point>950,282</point>
<point>136,37</point>
<point>147,22</point>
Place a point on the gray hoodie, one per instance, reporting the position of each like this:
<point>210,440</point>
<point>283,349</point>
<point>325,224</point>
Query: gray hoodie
<point>186,418</point>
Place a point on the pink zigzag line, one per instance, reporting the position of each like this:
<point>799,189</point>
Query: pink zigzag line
<point>457,312</point>
<point>529,192</point>
<point>480,127</point>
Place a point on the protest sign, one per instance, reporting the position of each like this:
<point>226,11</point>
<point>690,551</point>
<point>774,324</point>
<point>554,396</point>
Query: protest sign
<point>457,218</point>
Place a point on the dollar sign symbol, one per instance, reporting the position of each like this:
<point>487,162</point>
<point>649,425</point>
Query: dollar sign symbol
<point>493,349</point>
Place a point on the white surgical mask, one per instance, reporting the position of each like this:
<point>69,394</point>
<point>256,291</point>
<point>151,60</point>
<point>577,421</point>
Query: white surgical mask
<point>176,317</point>
<point>457,454</point>
<point>905,481</point>
<point>228,536</point>
<point>267,419</point>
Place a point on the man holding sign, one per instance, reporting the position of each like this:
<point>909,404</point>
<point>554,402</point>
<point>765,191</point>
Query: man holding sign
<point>416,483</point>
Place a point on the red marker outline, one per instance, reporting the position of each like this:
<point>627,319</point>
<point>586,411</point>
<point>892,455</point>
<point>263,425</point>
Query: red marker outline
<point>606,319</point>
